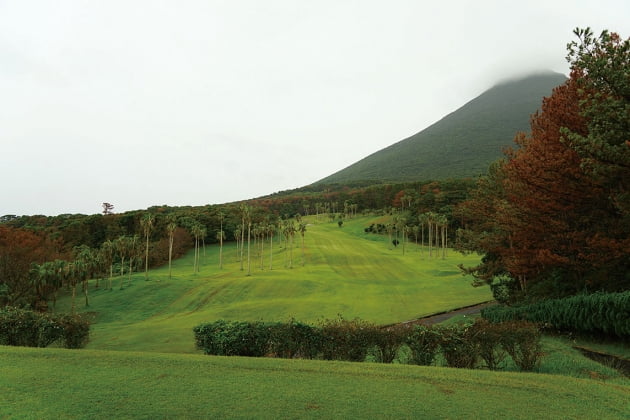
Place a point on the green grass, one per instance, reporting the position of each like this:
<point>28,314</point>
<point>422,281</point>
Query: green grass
<point>59,383</point>
<point>346,272</point>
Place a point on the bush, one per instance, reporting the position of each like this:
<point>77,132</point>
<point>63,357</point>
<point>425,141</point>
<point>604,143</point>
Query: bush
<point>487,338</point>
<point>606,313</point>
<point>347,340</point>
<point>20,327</point>
<point>76,331</point>
<point>521,340</point>
<point>462,345</point>
<point>388,341</point>
<point>423,342</point>
<point>233,338</point>
<point>458,349</point>
<point>295,339</point>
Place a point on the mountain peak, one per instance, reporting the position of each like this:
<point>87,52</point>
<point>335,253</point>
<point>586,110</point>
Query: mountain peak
<point>463,143</point>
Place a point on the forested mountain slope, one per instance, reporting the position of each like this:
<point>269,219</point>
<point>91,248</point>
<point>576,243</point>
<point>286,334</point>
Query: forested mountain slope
<point>463,143</point>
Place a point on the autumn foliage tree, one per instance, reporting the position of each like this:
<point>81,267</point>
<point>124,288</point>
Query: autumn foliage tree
<point>19,249</point>
<point>550,217</point>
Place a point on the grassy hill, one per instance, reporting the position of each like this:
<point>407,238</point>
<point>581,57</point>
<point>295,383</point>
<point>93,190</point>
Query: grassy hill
<point>150,374</point>
<point>347,272</point>
<point>95,384</point>
<point>463,143</point>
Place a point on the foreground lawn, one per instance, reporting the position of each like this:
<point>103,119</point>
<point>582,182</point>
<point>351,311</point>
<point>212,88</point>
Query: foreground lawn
<point>345,272</point>
<point>59,383</point>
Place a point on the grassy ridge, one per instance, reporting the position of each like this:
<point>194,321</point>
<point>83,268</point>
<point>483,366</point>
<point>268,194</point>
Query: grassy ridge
<point>463,143</point>
<point>59,383</point>
<point>344,274</point>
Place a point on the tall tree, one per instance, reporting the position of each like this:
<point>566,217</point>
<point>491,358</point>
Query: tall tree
<point>600,66</point>
<point>108,208</point>
<point>221,238</point>
<point>198,231</point>
<point>549,215</point>
<point>107,254</point>
<point>245,212</point>
<point>170,230</point>
<point>84,266</point>
<point>271,230</point>
<point>302,230</point>
<point>121,245</point>
<point>147,222</point>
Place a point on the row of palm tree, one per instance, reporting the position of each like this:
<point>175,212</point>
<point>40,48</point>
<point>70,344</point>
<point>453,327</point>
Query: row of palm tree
<point>49,277</point>
<point>332,208</point>
<point>435,224</point>
<point>126,251</point>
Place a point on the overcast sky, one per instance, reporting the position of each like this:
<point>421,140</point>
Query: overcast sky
<point>144,102</point>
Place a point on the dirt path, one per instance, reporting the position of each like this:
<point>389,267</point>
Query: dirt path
<point>443,316</point>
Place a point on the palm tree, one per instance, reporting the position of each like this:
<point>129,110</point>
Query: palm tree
<point>237,237</point>
<point>245,217</point>
<point>135,251</point>
<point>289,231</point>
<point>302,230</point>
<point>107,255</point>
<point>59,277</point>
<point>84,262</point>
<point>249,235</point>
<point>221,237</point>
<point>38,277</point>
<point>259,232</point>
<point>442,223</point>
<point>198,231</point>
<point>271,230</point>
<point>423,220</point>
<point>121,245</point>
<point>147,224</point>
<point>170,229</point>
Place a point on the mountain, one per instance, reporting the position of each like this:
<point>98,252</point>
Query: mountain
<point>463,143</point>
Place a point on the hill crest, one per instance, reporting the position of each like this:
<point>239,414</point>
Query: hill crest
<point>463,143</point>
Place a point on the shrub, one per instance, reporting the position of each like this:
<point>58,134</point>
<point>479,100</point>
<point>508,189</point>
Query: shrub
<point>295,339</point>
<point>458,349</point>
<point>606,313</point>
<point>521,340</point>
<point>388,341</point>
<point>76,331</point>
<point>207,337</point>
<point>347,340</point>
<point>423,342</point>
<point>487,338</point>
<point>233,338</point>
<point>20,327</point>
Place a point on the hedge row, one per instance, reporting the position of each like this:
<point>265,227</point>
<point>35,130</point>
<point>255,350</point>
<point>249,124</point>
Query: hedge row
<point>20,327</point>
<point>607,313</point>
<point>460,345</point>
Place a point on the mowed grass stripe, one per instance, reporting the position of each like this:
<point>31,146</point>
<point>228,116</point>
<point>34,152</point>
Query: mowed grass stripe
<point>346,272</point>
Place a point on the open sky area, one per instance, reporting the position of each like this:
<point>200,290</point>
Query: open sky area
<point>147,102</point>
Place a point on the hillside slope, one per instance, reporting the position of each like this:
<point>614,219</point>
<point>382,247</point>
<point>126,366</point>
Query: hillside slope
<point>346,272</point>
<point>463,143</point>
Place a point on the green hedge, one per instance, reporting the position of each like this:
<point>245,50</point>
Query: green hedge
<point>462,346</point>
<point>607,313</point>
<point>21,327</point>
